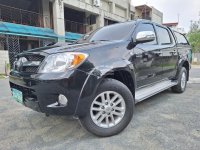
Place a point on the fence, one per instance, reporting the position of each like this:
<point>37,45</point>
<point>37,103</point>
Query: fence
<point>196,58</point>
<point>11,44</point>
<point>19,16</point>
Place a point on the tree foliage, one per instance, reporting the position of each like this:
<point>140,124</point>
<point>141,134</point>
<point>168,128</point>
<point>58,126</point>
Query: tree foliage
<point>194,39</point>
<point>194,36</point>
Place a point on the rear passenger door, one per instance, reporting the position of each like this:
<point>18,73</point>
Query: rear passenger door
<point>169,51</point>
<point>183,46</point>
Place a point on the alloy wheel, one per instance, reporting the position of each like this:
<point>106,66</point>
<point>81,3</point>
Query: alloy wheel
<point>183,80</point>
<point>108,109</point>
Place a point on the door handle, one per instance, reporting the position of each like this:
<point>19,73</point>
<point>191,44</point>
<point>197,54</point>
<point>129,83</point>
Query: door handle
<point>174,52</point>
<point>150,75</point>
<point>138,55</point>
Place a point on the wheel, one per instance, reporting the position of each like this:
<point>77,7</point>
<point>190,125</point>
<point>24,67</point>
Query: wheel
<point>111,110</point>
<point>182,81</point>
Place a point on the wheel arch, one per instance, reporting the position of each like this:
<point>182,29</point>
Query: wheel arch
<point>95,79</point>
<point>124,76</point>
<point>186,65</point>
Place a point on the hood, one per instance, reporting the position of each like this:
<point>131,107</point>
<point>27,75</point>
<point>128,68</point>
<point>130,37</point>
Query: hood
<point>59,48</point>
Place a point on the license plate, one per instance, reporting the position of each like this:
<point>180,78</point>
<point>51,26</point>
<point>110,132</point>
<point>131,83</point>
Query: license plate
<point>17,95</point>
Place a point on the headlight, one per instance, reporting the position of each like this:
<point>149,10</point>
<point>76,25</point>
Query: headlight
<point>62,61</point>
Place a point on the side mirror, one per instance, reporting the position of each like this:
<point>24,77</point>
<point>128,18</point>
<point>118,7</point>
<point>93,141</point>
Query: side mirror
<point>86,36</point>
<point>145,36</point>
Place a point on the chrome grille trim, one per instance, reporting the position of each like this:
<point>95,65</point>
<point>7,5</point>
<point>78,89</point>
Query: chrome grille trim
<point>31,65</point>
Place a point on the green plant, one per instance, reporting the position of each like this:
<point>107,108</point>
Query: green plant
<point>2,76</point>
<point>194,39</point>
<point>194,36</point>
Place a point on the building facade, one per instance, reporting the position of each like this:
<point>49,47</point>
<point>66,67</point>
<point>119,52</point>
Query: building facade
<point>149,13</point>
<point>28,24</point>
<point>82,16</point>
<point>24,25</point>
<point>175,26</point>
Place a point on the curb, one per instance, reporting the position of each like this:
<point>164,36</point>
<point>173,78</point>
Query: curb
<point>196,66</point>
<point>194,81</point>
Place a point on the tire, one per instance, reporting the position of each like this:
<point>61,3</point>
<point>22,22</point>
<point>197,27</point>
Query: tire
<point>120,93</point>
<point>182,81</point>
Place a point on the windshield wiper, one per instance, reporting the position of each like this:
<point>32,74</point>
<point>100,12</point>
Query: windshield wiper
<point>99,40</point>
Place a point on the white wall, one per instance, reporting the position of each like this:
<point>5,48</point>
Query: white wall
<point>106,6</point>
<point>157,16</point>
<point>120,11</point>
<point>3,60</point>
<point>196,58</point>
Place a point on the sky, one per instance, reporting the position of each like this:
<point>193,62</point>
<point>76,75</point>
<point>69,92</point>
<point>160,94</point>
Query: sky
<point>187,9</point>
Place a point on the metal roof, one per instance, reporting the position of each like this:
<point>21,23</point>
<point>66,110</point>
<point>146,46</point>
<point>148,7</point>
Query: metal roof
<point>69,36</point>
<point>23,30</point>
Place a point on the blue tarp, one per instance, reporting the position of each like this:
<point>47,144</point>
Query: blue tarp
<point>72,36</point>
<point>23,30</point>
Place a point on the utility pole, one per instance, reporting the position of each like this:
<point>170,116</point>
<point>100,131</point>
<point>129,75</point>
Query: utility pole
<point>199,17</point>
<point>178,17</point>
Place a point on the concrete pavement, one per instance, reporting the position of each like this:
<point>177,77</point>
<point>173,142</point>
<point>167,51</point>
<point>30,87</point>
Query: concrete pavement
<point>195,74</point>
<point>166,121</point>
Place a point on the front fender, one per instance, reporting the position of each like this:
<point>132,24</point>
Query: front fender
<point>94,79</point>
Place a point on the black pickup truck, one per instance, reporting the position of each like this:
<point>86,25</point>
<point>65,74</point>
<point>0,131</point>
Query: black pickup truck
<point>99,78</point>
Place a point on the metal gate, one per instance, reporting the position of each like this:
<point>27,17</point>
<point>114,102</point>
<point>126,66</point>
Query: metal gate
<point>13,48</point>
<point>12,44</point>
<point>45,42</point>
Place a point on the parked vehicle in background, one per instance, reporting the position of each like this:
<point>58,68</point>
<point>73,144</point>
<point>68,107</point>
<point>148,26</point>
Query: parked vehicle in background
<point>101,77</point>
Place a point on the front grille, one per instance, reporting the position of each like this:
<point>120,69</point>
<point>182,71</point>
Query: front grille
<point>31,69</point>
<point>30,65</point>
<point>35,58</point>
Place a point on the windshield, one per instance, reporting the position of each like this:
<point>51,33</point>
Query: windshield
<point>109,33</point>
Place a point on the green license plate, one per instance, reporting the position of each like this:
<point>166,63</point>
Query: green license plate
<point>17,95</point>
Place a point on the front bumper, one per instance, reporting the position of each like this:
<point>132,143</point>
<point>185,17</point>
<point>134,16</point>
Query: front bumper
<point>39,93</point>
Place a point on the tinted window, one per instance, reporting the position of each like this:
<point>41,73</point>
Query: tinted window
<point>180,38</point>
<point>109,33</point>
<point>163,35</point>
<point>147,27</point>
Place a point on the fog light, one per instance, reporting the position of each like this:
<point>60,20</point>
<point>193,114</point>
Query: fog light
<point>62,100</point>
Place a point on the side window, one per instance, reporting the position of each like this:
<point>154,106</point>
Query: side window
<point>180,38</point>
<point>163,35</point>
<point>147,27</point>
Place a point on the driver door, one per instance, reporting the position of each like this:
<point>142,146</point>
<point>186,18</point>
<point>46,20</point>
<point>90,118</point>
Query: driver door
<point>147,59</point>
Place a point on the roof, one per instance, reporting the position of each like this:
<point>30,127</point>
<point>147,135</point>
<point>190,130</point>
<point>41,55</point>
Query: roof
<point>69,36</point>
<point>171,24</point>
<point>143,7</point>
<point>23,30</point>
